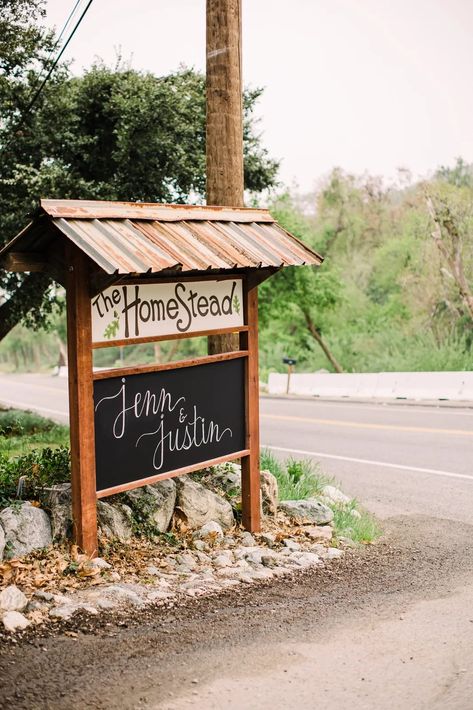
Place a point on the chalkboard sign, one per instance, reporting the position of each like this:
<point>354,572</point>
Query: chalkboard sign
<point>153,423</point>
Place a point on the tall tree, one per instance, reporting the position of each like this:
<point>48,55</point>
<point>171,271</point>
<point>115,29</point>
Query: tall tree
<point>115,134</point>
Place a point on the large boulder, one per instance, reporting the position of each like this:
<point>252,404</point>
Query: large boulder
<point>197,505</point>
<point>153,505</point>
<point>228,479</point>
<point>26,528</point>
<point>307,511</point>
<point>2,542</point>
<point>114,521</point>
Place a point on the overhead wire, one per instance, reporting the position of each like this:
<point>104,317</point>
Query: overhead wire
<point>40,88</point>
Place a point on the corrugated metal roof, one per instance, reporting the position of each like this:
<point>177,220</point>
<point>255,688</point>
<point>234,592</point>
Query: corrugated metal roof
<point>131,238</point>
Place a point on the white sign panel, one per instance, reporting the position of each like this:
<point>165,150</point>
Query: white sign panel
<point>146,310</point>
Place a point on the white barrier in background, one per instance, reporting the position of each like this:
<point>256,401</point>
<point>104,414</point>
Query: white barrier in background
<point>380,385</point>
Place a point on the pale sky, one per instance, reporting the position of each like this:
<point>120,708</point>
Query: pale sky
<point>361,84</point>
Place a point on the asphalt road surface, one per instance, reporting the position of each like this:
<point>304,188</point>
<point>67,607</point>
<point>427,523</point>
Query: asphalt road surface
<point>395,632</point>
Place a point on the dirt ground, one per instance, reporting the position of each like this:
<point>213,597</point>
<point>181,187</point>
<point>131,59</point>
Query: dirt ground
<point>239,649</point>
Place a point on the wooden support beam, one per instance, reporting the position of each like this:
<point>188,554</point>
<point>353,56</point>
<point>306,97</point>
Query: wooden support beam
<point>224,126</point>
<point>81,402</point>
<point>250,470</point>
<point>224,140</point>
<point>24,261</point>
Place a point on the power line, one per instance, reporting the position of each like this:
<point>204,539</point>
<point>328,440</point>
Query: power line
<point>59,37</point>
<point>48,75</point>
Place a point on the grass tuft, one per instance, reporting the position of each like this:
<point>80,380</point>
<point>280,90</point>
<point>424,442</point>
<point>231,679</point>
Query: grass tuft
<point>297,479</point>
<point>352,521</point>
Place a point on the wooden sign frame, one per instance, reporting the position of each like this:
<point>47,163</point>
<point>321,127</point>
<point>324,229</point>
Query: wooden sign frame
<point>81,402</point>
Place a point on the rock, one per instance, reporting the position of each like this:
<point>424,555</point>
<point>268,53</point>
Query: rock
<point>197,505</point>
<point>222,561</point>
<point>114,521</point>
<point>65,611</point>
<point>333,553</point>
<point>154,503</point>
<point>122,593</point>
<point>322,532</point>
<point>46,596</point>
<point>247,540</point>
<point>268,538</point>
<point>210,529</point>
<point>306,559</point>
<point>59,502</point>
<point>159,594</point>
<point>59,494</point>
<point>200,545</point>
<point>347,542</point>
<point>291,544</point>
<point>61,522</point>
<point>307,511</point>
<point>100,563</point>
<point>2,542</point>
<point>152,571</point>
<point>26,528</point>
<point>355,513</point>
<point>228,479</point>
<point>269,492</point>
<point>13,621</point>
<point>12,599</point>
<point>334,495</point>
<point>186,559</point>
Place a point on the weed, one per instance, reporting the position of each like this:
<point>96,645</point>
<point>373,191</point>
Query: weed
<point>349,520</point>
<point>297,479</point>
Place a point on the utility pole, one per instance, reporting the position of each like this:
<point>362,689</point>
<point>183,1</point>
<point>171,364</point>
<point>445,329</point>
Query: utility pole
<point>224,138</point>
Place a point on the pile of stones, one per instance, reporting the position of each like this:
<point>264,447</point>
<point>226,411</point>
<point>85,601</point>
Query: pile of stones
<point>217,554</point>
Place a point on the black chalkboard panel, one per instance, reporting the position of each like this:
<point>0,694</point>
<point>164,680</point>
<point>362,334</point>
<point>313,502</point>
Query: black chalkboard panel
<point>153,423</point>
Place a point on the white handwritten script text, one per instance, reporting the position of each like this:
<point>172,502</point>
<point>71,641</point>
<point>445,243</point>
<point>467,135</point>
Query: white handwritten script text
<point>188,428</point>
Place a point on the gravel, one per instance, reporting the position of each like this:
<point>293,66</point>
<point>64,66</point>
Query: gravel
<point>132,659</point>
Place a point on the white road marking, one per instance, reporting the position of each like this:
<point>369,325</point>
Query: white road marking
<point>369,462</point>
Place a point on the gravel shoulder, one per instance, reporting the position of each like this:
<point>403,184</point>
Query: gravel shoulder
<point>152,657</point>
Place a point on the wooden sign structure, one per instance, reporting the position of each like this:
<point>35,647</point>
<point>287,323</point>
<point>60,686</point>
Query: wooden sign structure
<point>139,273</point>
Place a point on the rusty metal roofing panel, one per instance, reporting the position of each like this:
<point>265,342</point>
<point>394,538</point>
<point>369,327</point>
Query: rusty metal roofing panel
<point>96,209</point>
<point>190,241</point>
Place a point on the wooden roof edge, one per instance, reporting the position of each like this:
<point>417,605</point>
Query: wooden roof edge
<point>98,209</point>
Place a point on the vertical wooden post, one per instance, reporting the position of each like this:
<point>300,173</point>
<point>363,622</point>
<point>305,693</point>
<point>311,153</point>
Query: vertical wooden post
<point>250,473</point>
<point>81,403</point>
<point>224,141</point>
<point>224,122</point>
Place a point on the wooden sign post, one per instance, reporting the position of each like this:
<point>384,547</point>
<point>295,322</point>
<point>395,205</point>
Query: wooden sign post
<point>135,426</point>
<point>81,402</point>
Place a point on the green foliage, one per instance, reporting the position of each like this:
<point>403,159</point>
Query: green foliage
<point>14,422</point>
<point>112,134</point>
<point>142,510</point>
<point>39,469</point>
<point>351,521</point>
<point>297,479</point>
<point>385,298</point>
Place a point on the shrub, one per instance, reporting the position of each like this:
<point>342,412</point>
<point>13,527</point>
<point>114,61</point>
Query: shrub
<point>41,468</point>
<point>14,422</point>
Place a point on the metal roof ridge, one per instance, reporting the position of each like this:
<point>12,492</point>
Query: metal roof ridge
<point>102,209</point>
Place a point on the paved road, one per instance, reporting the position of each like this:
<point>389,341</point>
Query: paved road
<point>395,458</point>
<point>403,639</point>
